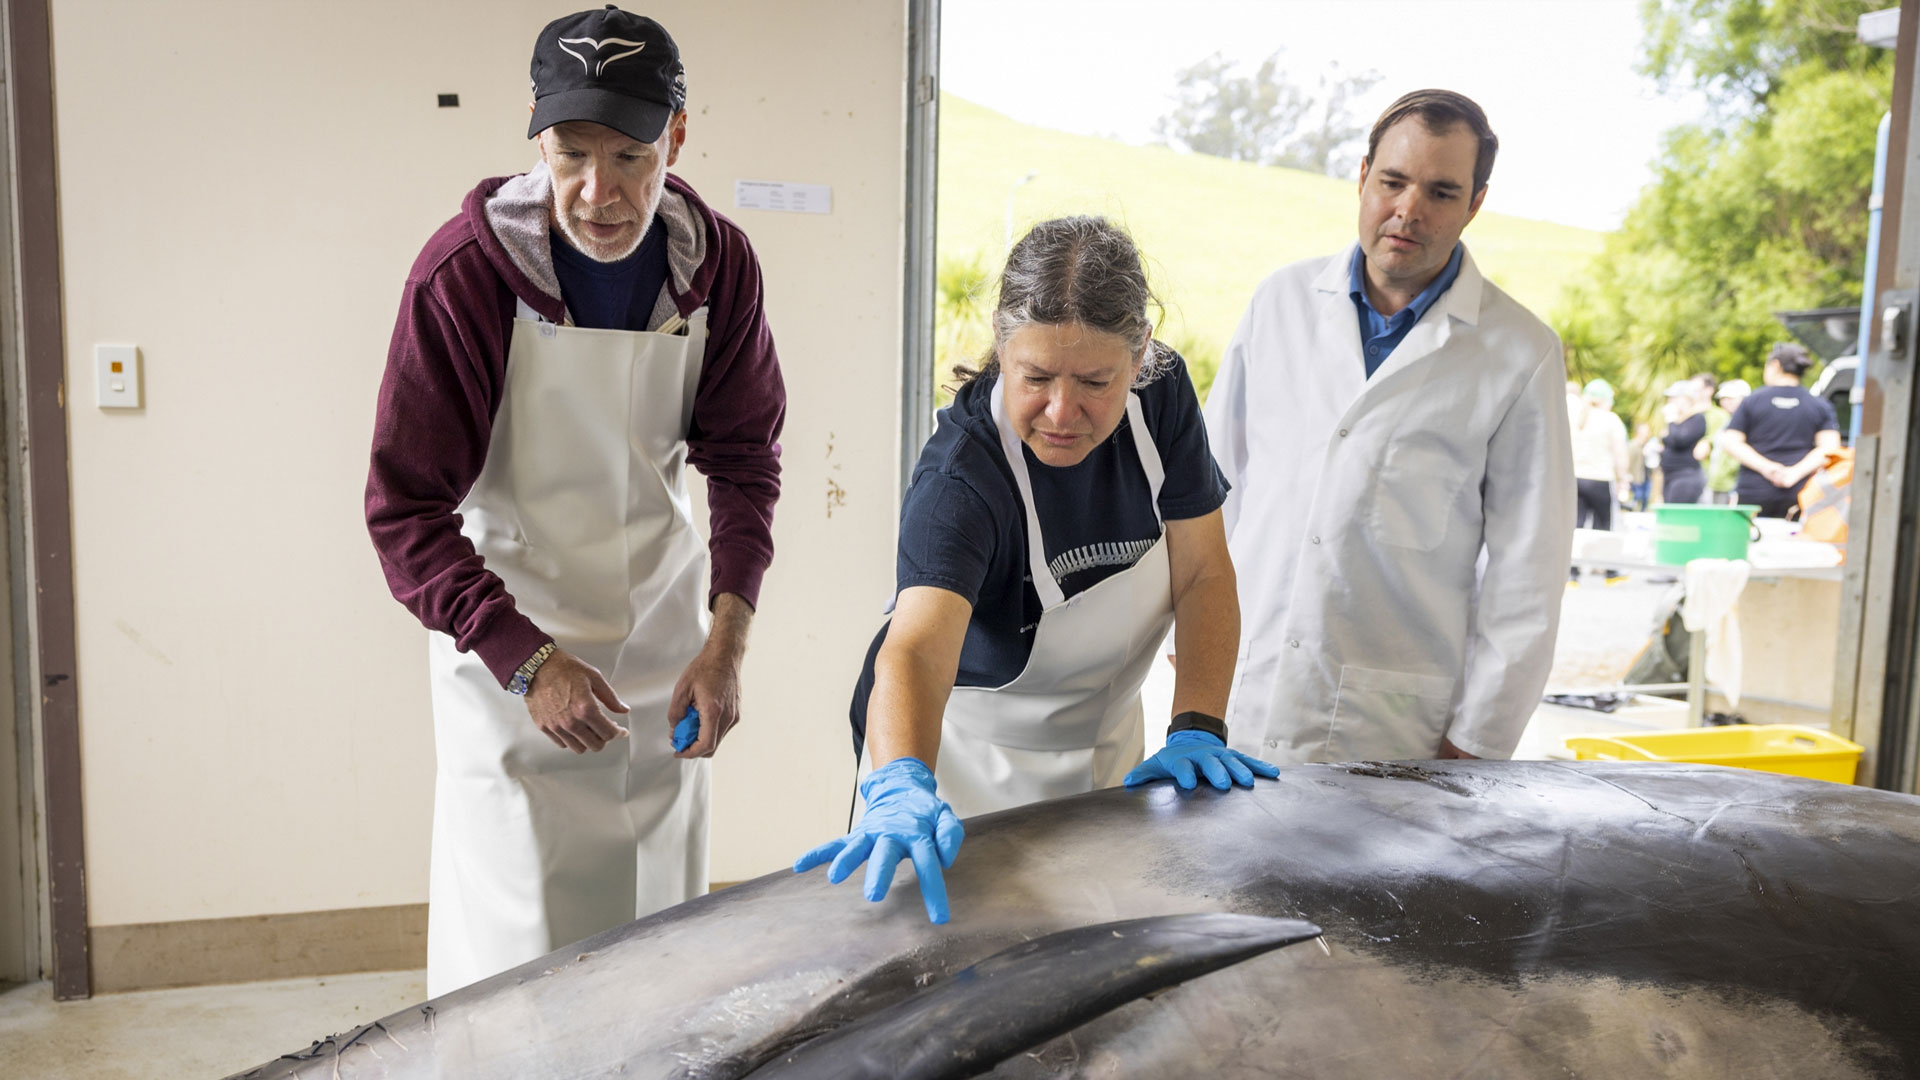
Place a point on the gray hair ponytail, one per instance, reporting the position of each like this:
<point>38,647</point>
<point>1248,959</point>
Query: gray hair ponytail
<point>1082,270</point>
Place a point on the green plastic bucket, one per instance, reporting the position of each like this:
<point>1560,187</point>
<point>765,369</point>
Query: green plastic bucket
<point>1686,531</point>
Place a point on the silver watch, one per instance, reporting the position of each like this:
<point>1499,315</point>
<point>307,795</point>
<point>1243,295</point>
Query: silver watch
<point>522,680</point>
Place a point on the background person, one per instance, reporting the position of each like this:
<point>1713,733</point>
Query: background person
<point>1064,513</point>
<point>1599,464</point>
<point>1781,434</point>
<point>566,345</point>
<point>1723,469</point>
<point>1389,418</point>
<point>1706,383</point>
<point>1682,478</point>
<point>1643,461</point>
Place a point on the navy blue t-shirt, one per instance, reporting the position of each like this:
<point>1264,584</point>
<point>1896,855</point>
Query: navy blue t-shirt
<point>963,526</point>
<point>1780,422</point>
<point>612,296</point>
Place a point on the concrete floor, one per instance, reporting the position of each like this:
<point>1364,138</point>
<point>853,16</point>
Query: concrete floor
<point>1602,628</point>
<point>202,1032</point>
<point>215,1031</point>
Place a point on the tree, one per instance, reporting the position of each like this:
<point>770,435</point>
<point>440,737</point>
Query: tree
<point>1263,118</point>
<point>963,319</point>
<point>1739,52</point>
<point>1331,144</point>
<point>1761,209</point>
<point>1225,114</point>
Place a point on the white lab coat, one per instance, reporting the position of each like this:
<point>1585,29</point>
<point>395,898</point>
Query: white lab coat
<point>1401,541</point>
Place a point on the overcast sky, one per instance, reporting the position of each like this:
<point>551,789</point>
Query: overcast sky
<point>1578,126</point>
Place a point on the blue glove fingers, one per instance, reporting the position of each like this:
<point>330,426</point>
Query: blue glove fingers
<point>933,884</point>
<point>947,834</point>
<point>1259,768</point>
<point>819,856</point>
<point>1181,769</point>
<point>1145,773</point>
<point>859,845</point>
<point>687,730</point>
<point>1216,772</point>
<point>887,853</point>
<point>1241,774</point>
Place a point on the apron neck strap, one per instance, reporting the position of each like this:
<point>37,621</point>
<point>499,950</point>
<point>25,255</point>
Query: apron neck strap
<point>1149,454</point>
<point>1051,595</point>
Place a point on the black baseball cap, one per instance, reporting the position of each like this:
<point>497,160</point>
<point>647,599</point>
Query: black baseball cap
<point>1792,358</point>
<point>611,67</point>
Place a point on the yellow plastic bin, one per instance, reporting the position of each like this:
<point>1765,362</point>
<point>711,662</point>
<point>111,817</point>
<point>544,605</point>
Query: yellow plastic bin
<point>1776,748</point>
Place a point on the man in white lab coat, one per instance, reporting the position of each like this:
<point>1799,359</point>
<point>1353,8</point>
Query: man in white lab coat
<point>1395,430</point>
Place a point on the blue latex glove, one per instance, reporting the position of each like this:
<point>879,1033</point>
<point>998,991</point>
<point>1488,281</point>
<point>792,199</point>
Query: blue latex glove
<point>904,818</point>
<point>1189,751</point>
<point>687,730</point>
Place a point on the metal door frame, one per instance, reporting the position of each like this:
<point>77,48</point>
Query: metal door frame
<point>41,515</point>
<point>923,147</point>
<point>1877,672</point>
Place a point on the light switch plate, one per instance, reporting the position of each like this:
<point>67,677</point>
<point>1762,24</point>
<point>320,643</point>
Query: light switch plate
<point>116,373</point>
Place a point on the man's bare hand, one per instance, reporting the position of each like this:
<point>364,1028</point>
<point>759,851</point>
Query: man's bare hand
<point>711,683</point>
<point>1450,752</point>
<point>565,702</point>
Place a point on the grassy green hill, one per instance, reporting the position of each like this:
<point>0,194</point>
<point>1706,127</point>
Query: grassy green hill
<point>1210,228</point>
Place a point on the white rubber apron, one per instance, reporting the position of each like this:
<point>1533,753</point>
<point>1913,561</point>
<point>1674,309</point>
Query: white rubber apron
<point>1071,721</point>
<point>582,510</point>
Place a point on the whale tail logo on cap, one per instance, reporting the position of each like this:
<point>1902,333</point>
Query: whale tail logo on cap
<point>595,47</point>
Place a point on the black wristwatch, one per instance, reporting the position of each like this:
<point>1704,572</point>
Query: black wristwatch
<point>1198,721</point>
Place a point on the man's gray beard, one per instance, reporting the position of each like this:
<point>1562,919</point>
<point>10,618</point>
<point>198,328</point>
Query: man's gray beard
<point>580,243</point>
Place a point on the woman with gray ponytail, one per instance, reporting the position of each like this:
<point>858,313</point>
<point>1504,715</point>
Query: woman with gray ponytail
<point>1065,512</point>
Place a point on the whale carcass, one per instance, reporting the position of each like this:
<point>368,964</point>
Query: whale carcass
<point>1522,919</point>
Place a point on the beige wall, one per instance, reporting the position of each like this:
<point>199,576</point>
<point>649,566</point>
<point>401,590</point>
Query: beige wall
<point>243,188</point>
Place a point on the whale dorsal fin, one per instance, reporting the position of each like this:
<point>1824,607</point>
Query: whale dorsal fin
<point>1023,996</point>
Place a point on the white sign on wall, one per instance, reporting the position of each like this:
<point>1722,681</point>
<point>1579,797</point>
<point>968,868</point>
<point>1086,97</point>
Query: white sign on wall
<point>782,196</point>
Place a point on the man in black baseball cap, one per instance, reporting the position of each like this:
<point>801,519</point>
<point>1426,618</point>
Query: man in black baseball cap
<point>567,344</point>
<point>611,67</point>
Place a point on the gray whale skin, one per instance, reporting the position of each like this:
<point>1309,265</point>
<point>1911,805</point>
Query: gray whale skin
<point>1506,919</point>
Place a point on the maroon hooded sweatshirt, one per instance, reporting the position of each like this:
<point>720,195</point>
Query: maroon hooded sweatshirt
<point>446,373</point>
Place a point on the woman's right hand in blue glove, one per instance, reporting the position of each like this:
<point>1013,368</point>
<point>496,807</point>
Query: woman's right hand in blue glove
<point>904,819</point>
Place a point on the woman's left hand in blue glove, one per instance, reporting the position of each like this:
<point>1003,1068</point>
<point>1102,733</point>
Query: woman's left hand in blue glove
<point>1189,754</point>
<point>904,819</point>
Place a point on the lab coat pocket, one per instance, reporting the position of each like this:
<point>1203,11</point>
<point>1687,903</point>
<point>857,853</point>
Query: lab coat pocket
<point>1387,714</point>
<point>1414,493</point>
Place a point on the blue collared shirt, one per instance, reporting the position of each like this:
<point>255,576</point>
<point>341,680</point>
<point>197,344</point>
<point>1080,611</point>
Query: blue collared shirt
<point>1381,334</point>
